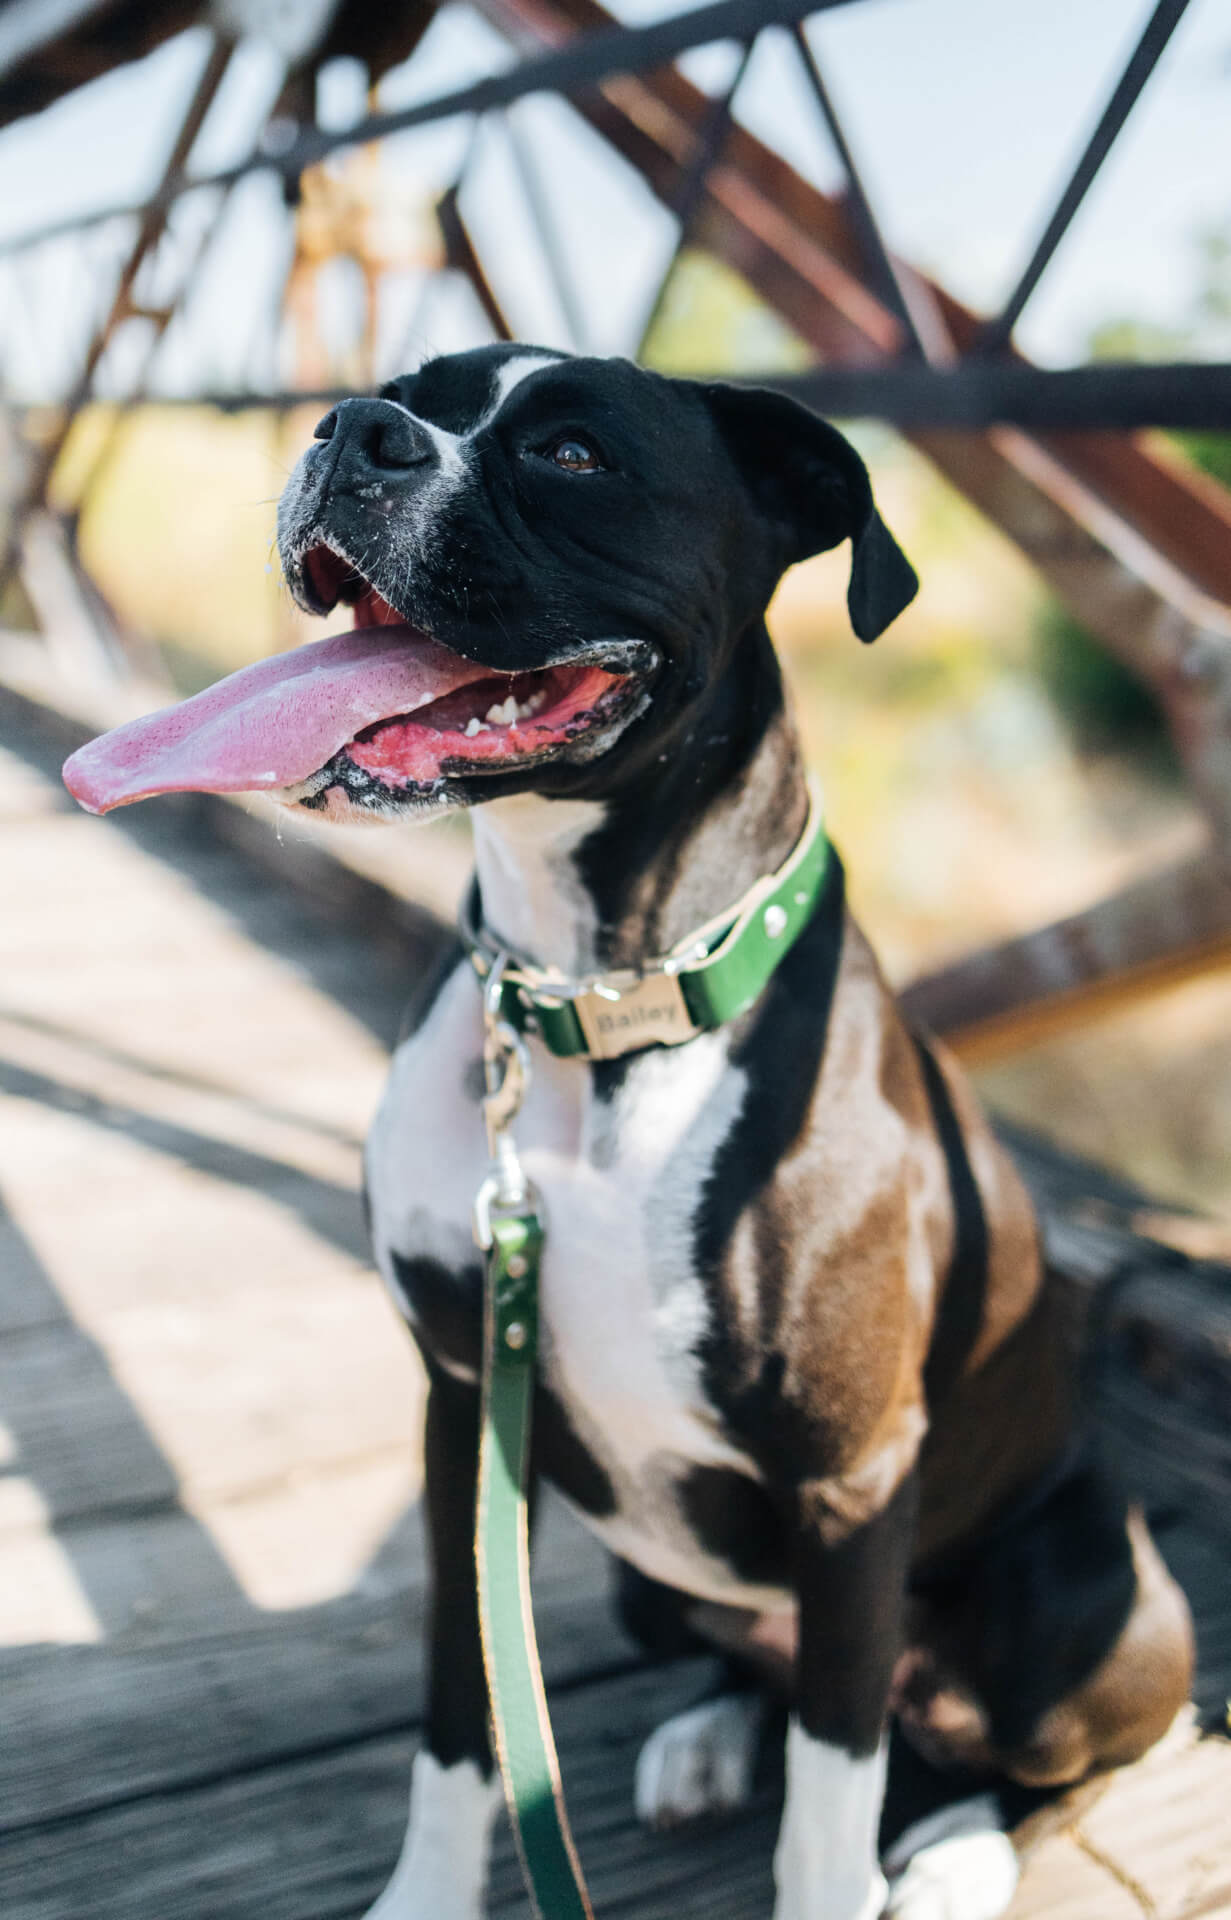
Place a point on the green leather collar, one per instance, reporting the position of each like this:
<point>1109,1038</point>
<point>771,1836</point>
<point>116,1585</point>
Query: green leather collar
<point>708,978</point>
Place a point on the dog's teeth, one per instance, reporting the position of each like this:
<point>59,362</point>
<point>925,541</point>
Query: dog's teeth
<point>474,726</point>
<point>507,712</point>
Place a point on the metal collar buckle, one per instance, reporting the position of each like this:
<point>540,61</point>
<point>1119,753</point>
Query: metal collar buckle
<point>506,1190</point>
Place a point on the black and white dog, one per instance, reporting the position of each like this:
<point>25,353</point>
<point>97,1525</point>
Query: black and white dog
<point>801,1363</point>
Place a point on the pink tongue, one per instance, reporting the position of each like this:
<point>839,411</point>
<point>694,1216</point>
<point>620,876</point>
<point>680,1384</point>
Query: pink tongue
<point>269,725</point>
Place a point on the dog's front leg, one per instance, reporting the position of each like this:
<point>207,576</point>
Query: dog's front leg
<point>455,1791</point>
<point>850,1619</point>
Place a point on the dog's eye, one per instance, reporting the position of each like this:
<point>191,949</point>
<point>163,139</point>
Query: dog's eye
<point>574,456</point>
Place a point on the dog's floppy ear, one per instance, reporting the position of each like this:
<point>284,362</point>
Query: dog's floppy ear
<point>814,490</point>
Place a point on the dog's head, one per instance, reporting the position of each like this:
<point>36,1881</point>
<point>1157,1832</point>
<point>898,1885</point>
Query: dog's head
<point>550,559</point>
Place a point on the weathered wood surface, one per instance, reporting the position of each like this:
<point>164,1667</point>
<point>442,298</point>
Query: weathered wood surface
<point>210,1564</point>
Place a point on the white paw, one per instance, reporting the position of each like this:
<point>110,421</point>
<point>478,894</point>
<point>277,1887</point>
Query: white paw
<point>971,1876</point>
<point>700,1762</point>
<point>824,1900</point>
<point>442,1869</point>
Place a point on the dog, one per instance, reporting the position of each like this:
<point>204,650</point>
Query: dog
<point>803,1367</point>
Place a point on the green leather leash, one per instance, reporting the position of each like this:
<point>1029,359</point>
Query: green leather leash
<point>706,980</point>
<point>508,1227</point>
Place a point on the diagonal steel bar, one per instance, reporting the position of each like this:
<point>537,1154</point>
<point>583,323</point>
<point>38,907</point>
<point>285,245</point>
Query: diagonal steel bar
<point>884,273</point>
<point>539,207</point>
<point>149,232</point>
<point>1146,55</point>
<point>460,255</point>
<point>687,198</point>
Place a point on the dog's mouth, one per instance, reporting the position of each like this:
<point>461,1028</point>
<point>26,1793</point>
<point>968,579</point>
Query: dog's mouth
<point>381,711</point>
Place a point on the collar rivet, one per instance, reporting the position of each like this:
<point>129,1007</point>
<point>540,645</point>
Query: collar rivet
<point>775,921</point>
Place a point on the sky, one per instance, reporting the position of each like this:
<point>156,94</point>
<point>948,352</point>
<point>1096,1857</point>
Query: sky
<point>966,118</point>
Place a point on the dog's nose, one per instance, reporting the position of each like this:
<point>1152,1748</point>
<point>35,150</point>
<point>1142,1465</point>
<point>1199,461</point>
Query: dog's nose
<point>375,434</point>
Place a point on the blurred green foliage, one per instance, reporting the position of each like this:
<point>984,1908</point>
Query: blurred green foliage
<point>1209,451</point>
<point>710,321</point>
<point>1104,705</point>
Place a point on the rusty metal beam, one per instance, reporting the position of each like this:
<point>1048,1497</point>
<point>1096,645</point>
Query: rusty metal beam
<point>617,49</point>
<point>461,256</point>
<point>799,249</point>
<point>149,232</point>
<point>1171,927</point>
<point>29,25</point>
<point>686,199</point>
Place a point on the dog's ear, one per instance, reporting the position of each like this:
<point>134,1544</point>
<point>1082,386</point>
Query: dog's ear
<point>814,490</point>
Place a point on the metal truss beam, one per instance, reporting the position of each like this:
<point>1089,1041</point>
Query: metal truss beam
<point>890,285</point>
<point>27,26</point>
<point>975,393</point>
<point>687,198</point>
<point>567,70</point>
<point>969,394</point>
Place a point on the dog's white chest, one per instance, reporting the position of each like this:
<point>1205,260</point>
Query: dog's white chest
<point>623,1311</point>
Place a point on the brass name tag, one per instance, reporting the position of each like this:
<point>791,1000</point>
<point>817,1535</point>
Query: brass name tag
<point>647,1010</point>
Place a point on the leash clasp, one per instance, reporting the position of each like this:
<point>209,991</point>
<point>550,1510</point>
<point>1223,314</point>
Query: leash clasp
<point>506,1061</point>
<point>506,1190</point>
<point>494,1201</point>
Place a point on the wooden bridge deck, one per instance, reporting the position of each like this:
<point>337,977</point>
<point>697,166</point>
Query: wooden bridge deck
<point>211,1569</point>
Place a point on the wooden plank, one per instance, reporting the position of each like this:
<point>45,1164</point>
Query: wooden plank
<point>317,1834</point>
<point>201,1692</point>
<point>208,1404</point>
<point>1061,1881</point>
<point>60,1405</point>
<point>1146,1822</point>
<point>158,1703</point>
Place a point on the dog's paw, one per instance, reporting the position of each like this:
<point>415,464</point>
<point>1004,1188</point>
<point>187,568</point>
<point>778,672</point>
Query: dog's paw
<point>442,1868</point>
<point>967,1876</point>
<point>700,1762</point>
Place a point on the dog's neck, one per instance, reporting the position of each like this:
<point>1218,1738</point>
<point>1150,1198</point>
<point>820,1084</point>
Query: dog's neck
<point>585,885</point>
